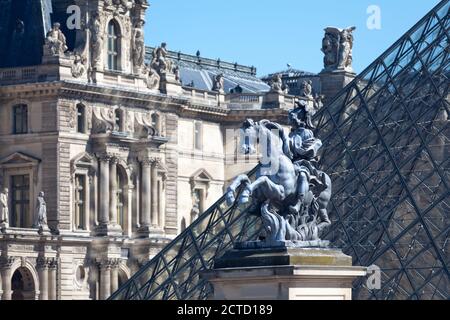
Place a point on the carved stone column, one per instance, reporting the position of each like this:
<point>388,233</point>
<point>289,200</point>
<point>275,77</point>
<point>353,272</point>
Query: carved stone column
<point>161,202</point>
<point>42,268</point>
<point>53,264</point>
<point>115,275</point>
<point>5,268</point>
<point>113,192</point>
<point>154,190</point>
<point>105,279</point>
<point>103,218</point>
<point>145,220</point>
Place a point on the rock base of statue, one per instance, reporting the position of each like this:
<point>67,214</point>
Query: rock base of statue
<point>283,273</point>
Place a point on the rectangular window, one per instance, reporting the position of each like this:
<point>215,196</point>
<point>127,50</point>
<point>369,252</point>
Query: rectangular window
<point>20,121</point>
<point>198,145</point>
<point>80,202</point>
<point>113,46</point>
<point>80,119</point>
<point>20,201</point>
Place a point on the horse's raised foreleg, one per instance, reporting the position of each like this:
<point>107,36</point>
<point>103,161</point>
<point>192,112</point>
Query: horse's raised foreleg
<point>231,191</point>
<point>268,189</point>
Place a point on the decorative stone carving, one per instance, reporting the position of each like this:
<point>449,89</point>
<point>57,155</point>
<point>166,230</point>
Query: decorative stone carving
<point>108,263</point>
<point>105,157</point>
<point>79,66</point>
<point>143,127</point>
<point>72,116</point>
<point>97,38</point>
<point>4,212</point>
<point>41,213</point>
<point>219,83</point>
<point>102,121</point>
<point>152,78</point>
<point>89,117</point>
<point>120,5</point>
<point>7,262</point>
<point>138,45</point>
<point>55,42</point>
<point>291,195</point>
<point>128,122</point>
<point>337,46</point>
<point>45,263</point>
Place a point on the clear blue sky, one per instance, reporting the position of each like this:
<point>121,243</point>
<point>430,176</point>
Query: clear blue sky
<point>270,34</point>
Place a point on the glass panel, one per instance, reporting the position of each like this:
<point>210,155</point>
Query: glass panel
<point>390,204</point>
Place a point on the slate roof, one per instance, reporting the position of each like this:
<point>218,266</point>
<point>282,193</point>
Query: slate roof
<point>199,73</point>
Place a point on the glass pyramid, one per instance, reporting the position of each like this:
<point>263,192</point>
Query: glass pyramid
<point>387,148</point>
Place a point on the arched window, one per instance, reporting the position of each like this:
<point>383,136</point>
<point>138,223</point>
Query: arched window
<point>20,121</point>
<point>81,119</point>
<point>113,45</point>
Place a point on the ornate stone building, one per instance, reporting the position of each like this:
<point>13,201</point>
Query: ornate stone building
<point>129,144</point>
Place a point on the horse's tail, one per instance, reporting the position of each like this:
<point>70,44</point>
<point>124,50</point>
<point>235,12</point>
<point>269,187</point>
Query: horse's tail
<point>273,224</point>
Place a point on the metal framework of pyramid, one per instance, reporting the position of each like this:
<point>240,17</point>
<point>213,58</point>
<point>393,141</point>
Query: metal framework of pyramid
<point>387,148</point>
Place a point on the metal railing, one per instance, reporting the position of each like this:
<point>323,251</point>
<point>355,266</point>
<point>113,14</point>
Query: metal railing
<point>174,273</point>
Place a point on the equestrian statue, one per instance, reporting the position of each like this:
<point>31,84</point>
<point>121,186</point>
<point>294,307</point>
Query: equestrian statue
<point>290,193</point>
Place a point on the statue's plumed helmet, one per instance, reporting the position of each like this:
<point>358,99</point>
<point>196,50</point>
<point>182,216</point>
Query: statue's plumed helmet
<point>300,114</point>
<point>248,123</point>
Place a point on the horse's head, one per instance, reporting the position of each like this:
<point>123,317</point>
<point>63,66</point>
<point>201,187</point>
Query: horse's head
<point>249,136</point>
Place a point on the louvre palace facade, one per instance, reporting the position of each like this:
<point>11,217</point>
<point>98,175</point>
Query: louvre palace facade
<point>110,150</point>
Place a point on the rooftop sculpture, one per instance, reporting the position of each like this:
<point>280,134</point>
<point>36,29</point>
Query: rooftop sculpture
<point>337,46</point>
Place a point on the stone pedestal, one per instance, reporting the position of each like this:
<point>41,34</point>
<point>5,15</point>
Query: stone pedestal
<point>44,230</point>
<point>283,274</point>
<point>169,85</point>
<point>274,100</point>
<point>3,227</point>
<point>334,81</point>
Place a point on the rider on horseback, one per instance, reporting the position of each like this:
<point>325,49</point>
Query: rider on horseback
<point>303,150</point>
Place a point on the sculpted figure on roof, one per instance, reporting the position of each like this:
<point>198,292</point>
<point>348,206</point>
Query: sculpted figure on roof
<point>161,62</point>
<point>337,46</point>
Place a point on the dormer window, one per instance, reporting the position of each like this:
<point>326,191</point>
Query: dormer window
<point>113,45</point>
